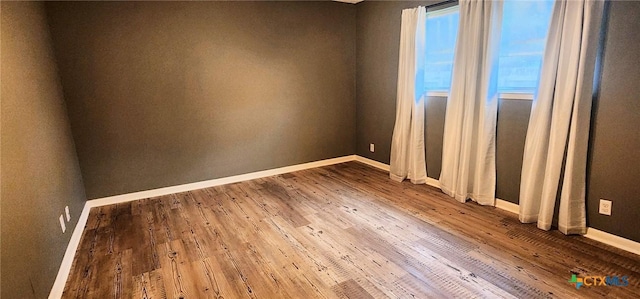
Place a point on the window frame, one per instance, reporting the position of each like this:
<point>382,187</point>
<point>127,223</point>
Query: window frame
<point>441,9</point>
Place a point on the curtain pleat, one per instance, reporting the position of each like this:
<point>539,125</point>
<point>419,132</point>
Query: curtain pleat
<point>468,152</point>
<point>558,132</point>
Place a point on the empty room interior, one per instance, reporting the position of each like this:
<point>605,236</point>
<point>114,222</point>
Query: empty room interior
<point>320,149</point>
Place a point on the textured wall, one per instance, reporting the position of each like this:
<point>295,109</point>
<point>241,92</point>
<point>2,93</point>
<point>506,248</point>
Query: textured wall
<point>40,172</point>
<point>168,93</point>
<point>436,108</point>
<point>511,131</point>
<point>615,140</point>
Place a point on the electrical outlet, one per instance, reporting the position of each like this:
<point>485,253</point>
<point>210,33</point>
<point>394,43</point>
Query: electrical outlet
<point>66,212</point>
<point>605,207</point>
<point>62,225</point>
<point>372,147</point>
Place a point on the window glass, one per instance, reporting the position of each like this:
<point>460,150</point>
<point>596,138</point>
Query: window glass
<point>525,25</point>
<point>440,43</point>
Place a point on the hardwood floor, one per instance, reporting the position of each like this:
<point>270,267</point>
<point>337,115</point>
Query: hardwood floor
<point>341,231</point>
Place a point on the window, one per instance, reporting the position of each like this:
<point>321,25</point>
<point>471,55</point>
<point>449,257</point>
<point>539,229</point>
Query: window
<point>525,25</point>
<point>440,37</point>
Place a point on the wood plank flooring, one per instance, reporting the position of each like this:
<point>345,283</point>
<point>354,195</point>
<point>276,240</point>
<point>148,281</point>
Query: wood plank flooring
<point>341,231</point>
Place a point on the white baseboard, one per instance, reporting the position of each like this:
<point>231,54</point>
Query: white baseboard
<point>592,233</point>
<point>430,181</point>
<point>373,163</point>
<point>215,182</point>
<point>433,182</point>
<point>507,206</point>
<point>613,240</point>
<point>69,254</point>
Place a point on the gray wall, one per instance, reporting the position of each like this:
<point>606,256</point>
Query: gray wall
<point>40,172</point>
<point>511,130</point>
<point>162,94</point>
<point>614,164</point>
<point>615,137</point>
<point>436,108</point>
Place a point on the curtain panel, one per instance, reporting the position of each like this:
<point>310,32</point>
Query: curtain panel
<point>558,133</point>
<point>468,150</point>
<point>407,146</point>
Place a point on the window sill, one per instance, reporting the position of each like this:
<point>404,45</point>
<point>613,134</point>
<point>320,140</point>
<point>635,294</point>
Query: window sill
<point>440,94</point>
<point>515,96</point>
<point>502,95</point>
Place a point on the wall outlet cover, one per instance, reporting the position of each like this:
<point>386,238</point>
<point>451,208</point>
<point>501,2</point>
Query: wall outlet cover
<point>372,147</point>
<point>605,207</point>
<point>66,212</point>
